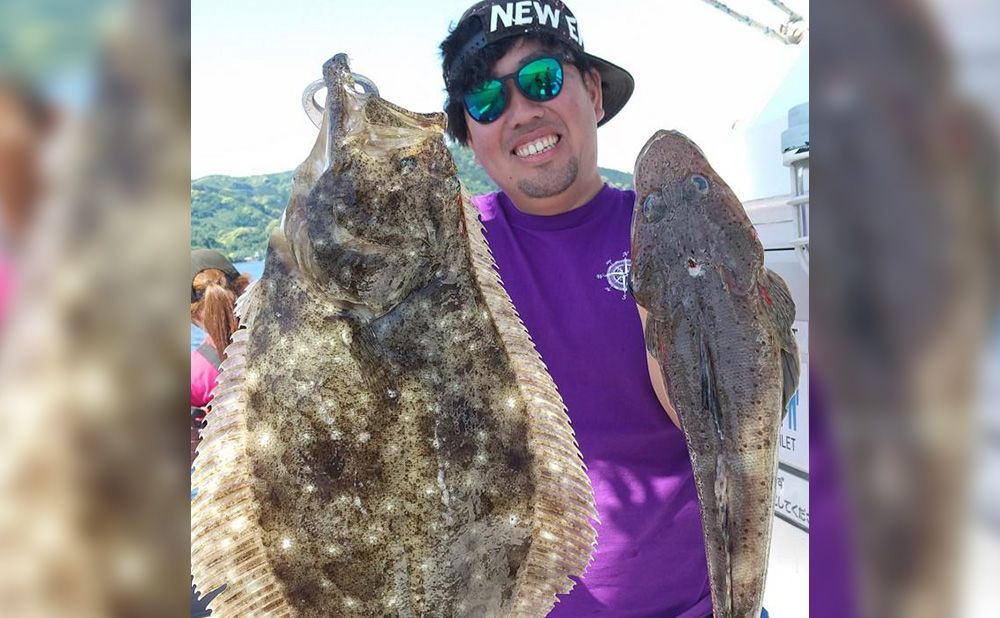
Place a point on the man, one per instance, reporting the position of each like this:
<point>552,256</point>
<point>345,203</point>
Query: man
<point>527,99</point>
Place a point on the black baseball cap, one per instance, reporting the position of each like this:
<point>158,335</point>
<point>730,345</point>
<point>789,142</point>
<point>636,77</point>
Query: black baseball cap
<point>503,19</point>
<point>204,259</point>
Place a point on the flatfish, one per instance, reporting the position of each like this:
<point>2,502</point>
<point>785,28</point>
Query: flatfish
<point>385,440</point>
<point>719,324</point>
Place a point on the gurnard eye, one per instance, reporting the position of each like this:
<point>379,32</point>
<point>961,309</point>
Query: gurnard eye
<point>653,207</point>
<point>700,184</point>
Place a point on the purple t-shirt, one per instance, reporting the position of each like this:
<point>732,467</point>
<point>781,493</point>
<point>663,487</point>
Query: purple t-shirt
<point>566,275</point>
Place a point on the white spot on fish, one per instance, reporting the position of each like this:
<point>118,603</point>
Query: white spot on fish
<point>350,602</point>
<point>391,393</point>
<point>310,488</point>
<point>346,336</point>
<point>548,536</point>
<point>227,452</point>
<point>252,378</point>
<point>286,543</point>
<point>336,435</point>
<point>264,438</point>
<point>225,543</point>
<point>511,403</point>
<point>694,268</point>
<point>363,437</point>
<point>239,523</point>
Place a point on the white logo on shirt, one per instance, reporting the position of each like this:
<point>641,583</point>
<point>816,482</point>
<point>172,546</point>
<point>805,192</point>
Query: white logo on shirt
<point>616,276</point>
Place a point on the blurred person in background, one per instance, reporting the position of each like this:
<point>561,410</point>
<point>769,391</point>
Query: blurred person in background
<point>26,122</point>
<point>215,286</point>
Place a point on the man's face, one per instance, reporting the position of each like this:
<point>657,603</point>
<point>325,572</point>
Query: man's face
<point>560,171</point>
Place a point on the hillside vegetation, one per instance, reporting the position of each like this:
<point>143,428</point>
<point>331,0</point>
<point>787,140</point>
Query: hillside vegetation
<point>235,214</point>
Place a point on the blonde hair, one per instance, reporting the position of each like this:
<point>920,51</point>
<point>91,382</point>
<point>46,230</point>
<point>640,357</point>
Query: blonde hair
<point>215,305</point>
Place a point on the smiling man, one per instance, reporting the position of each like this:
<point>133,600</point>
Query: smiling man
<point>527,99</point>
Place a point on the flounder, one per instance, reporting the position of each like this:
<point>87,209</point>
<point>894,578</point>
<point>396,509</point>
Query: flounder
<point>385,440</point>
<point>720,325</point>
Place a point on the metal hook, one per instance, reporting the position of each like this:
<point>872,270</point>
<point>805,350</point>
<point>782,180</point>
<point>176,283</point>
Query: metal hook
<point>315,110</point>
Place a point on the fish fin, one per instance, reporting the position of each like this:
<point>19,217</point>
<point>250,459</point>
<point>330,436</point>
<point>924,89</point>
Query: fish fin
<point>710,401</point>
<point>709,389</point>
<point>248,304</point>
<point>226,547</point>
<point>790,379</point>
<point>563,539</point>
<point>649,335</point>
<point>781,309</point>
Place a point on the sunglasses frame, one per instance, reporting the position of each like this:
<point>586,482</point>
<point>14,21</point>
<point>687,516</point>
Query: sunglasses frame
<point>503,86</point>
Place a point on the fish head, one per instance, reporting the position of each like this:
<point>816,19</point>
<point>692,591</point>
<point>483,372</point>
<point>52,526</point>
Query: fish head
<point>688,227</point>
<point>362,222</point>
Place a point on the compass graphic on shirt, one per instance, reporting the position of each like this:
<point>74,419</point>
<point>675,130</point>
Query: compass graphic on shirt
<point>616,276</point>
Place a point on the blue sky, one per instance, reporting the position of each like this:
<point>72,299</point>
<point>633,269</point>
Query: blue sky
<point>696,70</point>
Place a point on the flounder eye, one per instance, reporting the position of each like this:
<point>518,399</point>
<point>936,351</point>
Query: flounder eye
<point>700,183</point>
<point>652,207</point>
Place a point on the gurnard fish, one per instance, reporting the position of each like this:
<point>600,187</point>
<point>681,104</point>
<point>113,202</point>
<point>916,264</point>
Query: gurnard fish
<point>384,439</point>
<point>720,326</point>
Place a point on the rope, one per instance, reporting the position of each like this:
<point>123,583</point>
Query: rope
<point>789,33</point>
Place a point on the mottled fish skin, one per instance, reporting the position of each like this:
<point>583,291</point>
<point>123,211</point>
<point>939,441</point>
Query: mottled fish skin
<point>720,325</point>
<point>385,440</point>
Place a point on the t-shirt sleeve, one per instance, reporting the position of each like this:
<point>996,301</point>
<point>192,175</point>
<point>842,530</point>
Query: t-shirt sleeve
<point>203,377</point>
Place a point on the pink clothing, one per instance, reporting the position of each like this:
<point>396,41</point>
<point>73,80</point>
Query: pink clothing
<point>6,287</point>
<point>203,378</point>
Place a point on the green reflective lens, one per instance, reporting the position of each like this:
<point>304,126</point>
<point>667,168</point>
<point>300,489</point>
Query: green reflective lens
<point>486,102</point>
<point>538,80</point>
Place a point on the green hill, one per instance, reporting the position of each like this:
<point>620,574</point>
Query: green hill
<point>234,215</point>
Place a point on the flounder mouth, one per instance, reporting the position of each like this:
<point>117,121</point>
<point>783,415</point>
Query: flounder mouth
<point>360,118</point>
